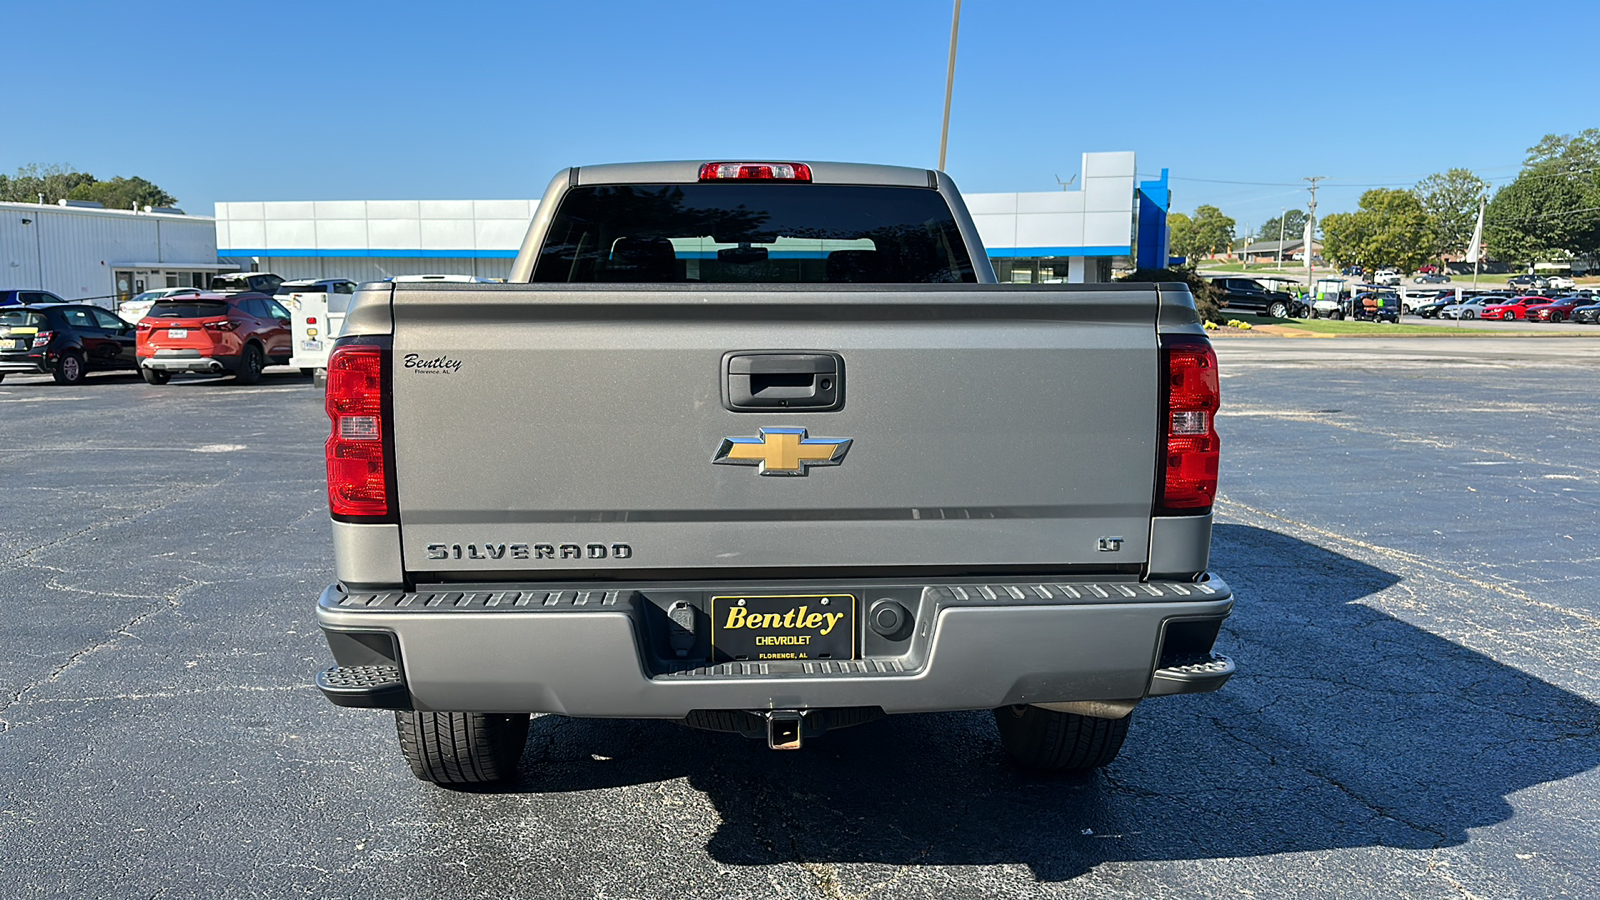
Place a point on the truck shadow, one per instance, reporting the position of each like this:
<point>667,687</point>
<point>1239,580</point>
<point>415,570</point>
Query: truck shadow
<point>1346,728</point>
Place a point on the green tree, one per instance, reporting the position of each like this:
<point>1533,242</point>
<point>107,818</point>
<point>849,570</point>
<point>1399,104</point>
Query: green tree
<point>1578,153</point>
<point>1212,232</point>
<point>1341,239</point>
<point>55,182</point>
<point>1389,228</point>
<point>123,193</point>
<point>1450,199</point>
<point>1180,232</point>
<point>1543,215</point>
<point>1294,227</point>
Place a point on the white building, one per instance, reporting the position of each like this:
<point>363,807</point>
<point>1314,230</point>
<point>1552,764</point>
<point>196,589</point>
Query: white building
<point>103,255</point>
<point>1110,221</point>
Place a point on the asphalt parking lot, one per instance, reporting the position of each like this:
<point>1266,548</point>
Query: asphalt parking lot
<point>1410,526</point>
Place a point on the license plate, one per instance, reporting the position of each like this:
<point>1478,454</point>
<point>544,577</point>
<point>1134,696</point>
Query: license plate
<point>177,332</point>
<point>310,345</point>
<point>13,345</point>
<point>790,626</point>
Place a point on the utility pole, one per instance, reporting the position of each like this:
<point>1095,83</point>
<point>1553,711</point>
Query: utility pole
<point>1282,215</point>
<point>1311,228</point>
<point>949,83</point>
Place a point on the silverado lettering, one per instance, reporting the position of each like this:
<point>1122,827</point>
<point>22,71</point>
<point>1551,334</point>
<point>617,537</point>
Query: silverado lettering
<point>525,551</point>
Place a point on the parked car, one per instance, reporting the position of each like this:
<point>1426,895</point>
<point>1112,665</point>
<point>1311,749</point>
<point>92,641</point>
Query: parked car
<point>1431,278</point>
<point>27,298</point>
<point>1516,308</point>
<point>135,309</point>
<point>213,333</point>
<point>64,340</point>
<point>1388,277</point>
<point>1431,309</point>
<point>239,282</point>
<point>1528,282</point>
<point>1412,298</point>
<point>1247,295</point>
<point>1587,315</point>
<point>1557,310</point>
<point>1470,308</point>
<point>1560,283</point>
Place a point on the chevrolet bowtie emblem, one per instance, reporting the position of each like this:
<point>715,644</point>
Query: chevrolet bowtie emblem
<point>782,451</point>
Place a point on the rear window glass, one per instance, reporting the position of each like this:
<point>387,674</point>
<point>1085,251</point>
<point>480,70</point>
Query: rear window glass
<point>20,318</point>
<point>745,232</point>
<point>188,308</point>
<point>286,289</point>
<point>231,283</point>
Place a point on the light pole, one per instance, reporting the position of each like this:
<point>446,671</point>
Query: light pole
<point>1311,230</point>
<point>1282,214</point>
<point>949,84</point>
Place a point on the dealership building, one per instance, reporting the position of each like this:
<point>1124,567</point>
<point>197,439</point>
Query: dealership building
<point>85,252</point>
<point>1109,221</point>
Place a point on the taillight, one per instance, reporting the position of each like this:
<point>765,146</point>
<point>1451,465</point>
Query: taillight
<point>358,471</point>
<point>224,325</point>
<point>1191,395</point>
<point>759,171</point>
<point>311,320</point>
<point>142,325</point>
<point>42,339</point>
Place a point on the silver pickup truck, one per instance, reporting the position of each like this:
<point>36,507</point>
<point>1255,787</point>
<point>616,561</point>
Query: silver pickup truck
<point>763,448</point>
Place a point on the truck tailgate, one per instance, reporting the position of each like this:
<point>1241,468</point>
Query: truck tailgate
<point>545,430</point>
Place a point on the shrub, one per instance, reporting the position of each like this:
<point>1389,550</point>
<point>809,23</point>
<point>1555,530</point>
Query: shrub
<point>1205,293</point>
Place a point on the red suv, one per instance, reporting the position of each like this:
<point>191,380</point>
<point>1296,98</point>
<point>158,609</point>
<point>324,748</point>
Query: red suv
<point>213,333</point>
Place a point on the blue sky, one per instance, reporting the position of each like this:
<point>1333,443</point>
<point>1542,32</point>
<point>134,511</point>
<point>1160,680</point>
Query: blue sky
<point>331,100</point>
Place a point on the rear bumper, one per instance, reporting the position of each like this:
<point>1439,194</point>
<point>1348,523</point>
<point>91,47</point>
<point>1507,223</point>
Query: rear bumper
<point>23,364</point>
<point>604,650</point>
<point>189,361</point>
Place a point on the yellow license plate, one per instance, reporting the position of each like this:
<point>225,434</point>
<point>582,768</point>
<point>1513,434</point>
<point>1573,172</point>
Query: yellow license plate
<point>785,626</point>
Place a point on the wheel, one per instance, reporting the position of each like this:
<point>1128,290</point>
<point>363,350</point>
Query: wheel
<point>70,369</point>
<point>1468,314</point>
<point>461,748</point>
<point>154,376</point>
<point>250,365</point>
<point>1338,315</point>
<point>1043,740</point>
<point>1278,309</point>
<point>1555,318</point>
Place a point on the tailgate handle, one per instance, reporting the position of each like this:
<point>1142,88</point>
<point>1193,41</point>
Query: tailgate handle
<point>803,381</point>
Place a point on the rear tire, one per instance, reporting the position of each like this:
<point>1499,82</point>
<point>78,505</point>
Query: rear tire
<point>1278,310</point>
<point>461,748</point>
<point>70,369</point>
<point>251,362</point>
<point>154,376</point>
<point>1043,740</point>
